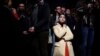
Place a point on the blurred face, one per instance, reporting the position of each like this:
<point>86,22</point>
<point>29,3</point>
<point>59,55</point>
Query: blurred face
<point>63,9</point>
<point>9,2</point>
<point>21,6</point>
<point>62,18</point>
<point>58,9</point>
<point>89,5</point>
<point>68,11</point>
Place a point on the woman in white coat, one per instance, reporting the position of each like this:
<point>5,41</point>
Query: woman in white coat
<point>63,47</point>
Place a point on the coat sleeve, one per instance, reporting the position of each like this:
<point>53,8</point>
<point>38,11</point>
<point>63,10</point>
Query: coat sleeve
<point>69,34</point>
<point>59,33</point>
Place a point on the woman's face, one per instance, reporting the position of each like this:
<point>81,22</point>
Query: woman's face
<point>62,18</point>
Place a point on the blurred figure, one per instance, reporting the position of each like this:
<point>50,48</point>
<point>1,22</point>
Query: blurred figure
<point>23,39</point>
<point>87,31</point>
<point>55,16</point>
<point>23,26</point>
<point>39,28</point>
<point>23,20</point>
<point>70,20</point>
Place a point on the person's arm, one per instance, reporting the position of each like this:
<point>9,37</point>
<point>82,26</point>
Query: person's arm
<point>69,35</point>
<point>59,33</point>
<point>15,14</point>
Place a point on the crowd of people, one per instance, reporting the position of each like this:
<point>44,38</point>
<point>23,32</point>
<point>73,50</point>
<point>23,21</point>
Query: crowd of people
<point>34,31</point>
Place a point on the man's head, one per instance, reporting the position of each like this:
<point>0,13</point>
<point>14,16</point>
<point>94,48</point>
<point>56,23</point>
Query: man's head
<point>89,5</point>
<point>58,9</point>
<point>21,6</point>
<point>8,2</point>
<point>63,10</point>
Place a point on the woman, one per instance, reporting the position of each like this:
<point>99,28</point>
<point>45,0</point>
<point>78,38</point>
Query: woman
<point>63,45</point>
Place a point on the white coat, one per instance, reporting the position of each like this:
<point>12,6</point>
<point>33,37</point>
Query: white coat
<point>59,49</point>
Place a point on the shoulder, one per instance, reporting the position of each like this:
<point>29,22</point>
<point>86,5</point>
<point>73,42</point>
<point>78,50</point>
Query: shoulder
<point>66,26</point>
<point>56,25</point>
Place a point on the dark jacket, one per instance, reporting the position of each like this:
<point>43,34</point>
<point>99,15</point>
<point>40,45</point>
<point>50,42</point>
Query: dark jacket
<point>71,21</point>
<point>24,21</point>
<point>40,19</point>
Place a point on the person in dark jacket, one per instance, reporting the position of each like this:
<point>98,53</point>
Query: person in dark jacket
<point>40,28</point>
<point>87,31</point>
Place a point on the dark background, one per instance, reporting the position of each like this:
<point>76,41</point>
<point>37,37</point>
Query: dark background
<point>67,4</point>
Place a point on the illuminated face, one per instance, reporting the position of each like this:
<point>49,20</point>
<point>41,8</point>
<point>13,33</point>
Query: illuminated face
<point>21,6</point>
<point>62,18</point>
<point>89,5</point>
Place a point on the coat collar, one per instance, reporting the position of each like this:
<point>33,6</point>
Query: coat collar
<point>60,25</point>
